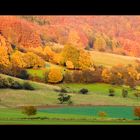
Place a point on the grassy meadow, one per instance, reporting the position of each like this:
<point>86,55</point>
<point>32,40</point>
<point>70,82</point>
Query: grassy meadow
<point>108,59</point>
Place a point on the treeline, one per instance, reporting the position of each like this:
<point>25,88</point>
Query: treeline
<point>117,75</point>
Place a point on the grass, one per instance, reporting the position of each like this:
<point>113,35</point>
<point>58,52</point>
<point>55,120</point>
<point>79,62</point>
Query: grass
<point>98,88</point>
<point>108,59</point>
<point>66,122</point>
<point>14,116</point>
<point>37,72</point>
<point>45,94</point>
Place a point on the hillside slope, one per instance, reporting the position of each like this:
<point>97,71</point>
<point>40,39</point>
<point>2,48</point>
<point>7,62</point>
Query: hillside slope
<point>121,33</point>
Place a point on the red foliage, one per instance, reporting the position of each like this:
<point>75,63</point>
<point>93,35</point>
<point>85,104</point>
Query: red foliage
<point>19,31</point>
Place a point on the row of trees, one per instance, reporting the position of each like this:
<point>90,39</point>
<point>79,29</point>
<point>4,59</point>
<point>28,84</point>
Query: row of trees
<point>117,75</point>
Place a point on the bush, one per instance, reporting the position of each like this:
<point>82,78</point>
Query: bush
<point>111,92</point>
<point>28,86</point>
<point>16,85</point>
<point>63,98</point>
<point>63,90</point>
<point>137,94</point>
<point>77,76</point>
<point>68,77</point>
<point>70,102</point>
<point>124,93</point>
<point>84,91</point>
<point>29,110</point>
<point>23,74</point>
<point>4,83</point>
<point>102,114</point>
<point>137,112</point>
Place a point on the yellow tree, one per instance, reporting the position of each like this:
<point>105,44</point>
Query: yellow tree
<point>58,59</point>
<point>69,65</point>
<point>132,72</point>
<point>71,53</point>
<point>17,59</point>
<point>4,58</point>
<point>49,54</point>
<point>74,39</point>
<point>100,43</point>
<point>33,61</point>
<point>85,60</point>
<point>55,75</point>
<point>106,75</point>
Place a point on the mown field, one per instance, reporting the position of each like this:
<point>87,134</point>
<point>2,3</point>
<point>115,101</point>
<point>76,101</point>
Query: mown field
<point>108,59</point>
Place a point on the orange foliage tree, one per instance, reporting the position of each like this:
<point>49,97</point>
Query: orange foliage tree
<point>4,59</point>
<point>17,59</point>
<point>55,75</point>
<point>33,61</point>
<point>85,60</point>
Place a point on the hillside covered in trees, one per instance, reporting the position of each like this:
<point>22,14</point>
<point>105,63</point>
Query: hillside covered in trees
<point>114,34</point>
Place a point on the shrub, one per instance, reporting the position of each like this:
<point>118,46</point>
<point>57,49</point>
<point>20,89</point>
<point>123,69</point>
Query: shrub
<point>4,83</point>
<point>70,102</point>
<point>77,76</point>
<point>137,112</point>
<point>102,114</point>
<point>124,93</point>
<point>68,77</point>
<point>63,98</point>
<point>63,90</point>
<point>23,74</point>
<point>84,91</point>
<point>28,86</point>
<point>111,92</point>
<point>29,110</point>
<point>16,85</point>
<point>137,94</point>
<point>10,80</point>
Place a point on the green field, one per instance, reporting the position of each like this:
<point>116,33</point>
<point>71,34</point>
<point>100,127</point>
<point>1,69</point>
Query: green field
<point>112,111</point>
<point>108,59</point>
<point>70,115</point>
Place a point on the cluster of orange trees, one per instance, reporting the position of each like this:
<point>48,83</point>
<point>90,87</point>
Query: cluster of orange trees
<point>13,59</point>
<point>70,56</point>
